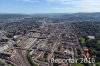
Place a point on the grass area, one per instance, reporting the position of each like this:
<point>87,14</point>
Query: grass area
<point>1,63</point>
<point>31,61</point>
<point>98,64</point>
<point>98,41</point>
<point>77,64</point>
<point>82,41</point>
<point>9,50</point>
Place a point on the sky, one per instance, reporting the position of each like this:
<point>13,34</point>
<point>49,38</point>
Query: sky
<point>49,6</point>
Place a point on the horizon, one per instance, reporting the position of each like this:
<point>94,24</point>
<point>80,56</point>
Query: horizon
<point>48,6</point>
<point>51,13</point>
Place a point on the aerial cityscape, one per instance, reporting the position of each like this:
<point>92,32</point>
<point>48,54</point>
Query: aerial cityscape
<point>49,33</point>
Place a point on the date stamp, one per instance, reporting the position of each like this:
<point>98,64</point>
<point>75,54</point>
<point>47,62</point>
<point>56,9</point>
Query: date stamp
<point>87,60</point>
<point>74,60</point>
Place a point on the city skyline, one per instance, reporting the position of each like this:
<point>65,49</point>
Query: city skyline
<point>49,6</point>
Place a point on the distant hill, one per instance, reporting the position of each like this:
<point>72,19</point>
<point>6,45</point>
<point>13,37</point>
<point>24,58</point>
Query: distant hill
<point>82,17</point>
<point>11,16</point>
<point>67,14</point>
<point>75,17</point>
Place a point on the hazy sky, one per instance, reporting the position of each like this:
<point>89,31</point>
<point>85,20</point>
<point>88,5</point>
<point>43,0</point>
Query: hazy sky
<point>49,6</point>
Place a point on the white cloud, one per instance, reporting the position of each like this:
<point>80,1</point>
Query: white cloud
<point>30,1</point>
<point>85,2</point>
<point>74,5</point>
